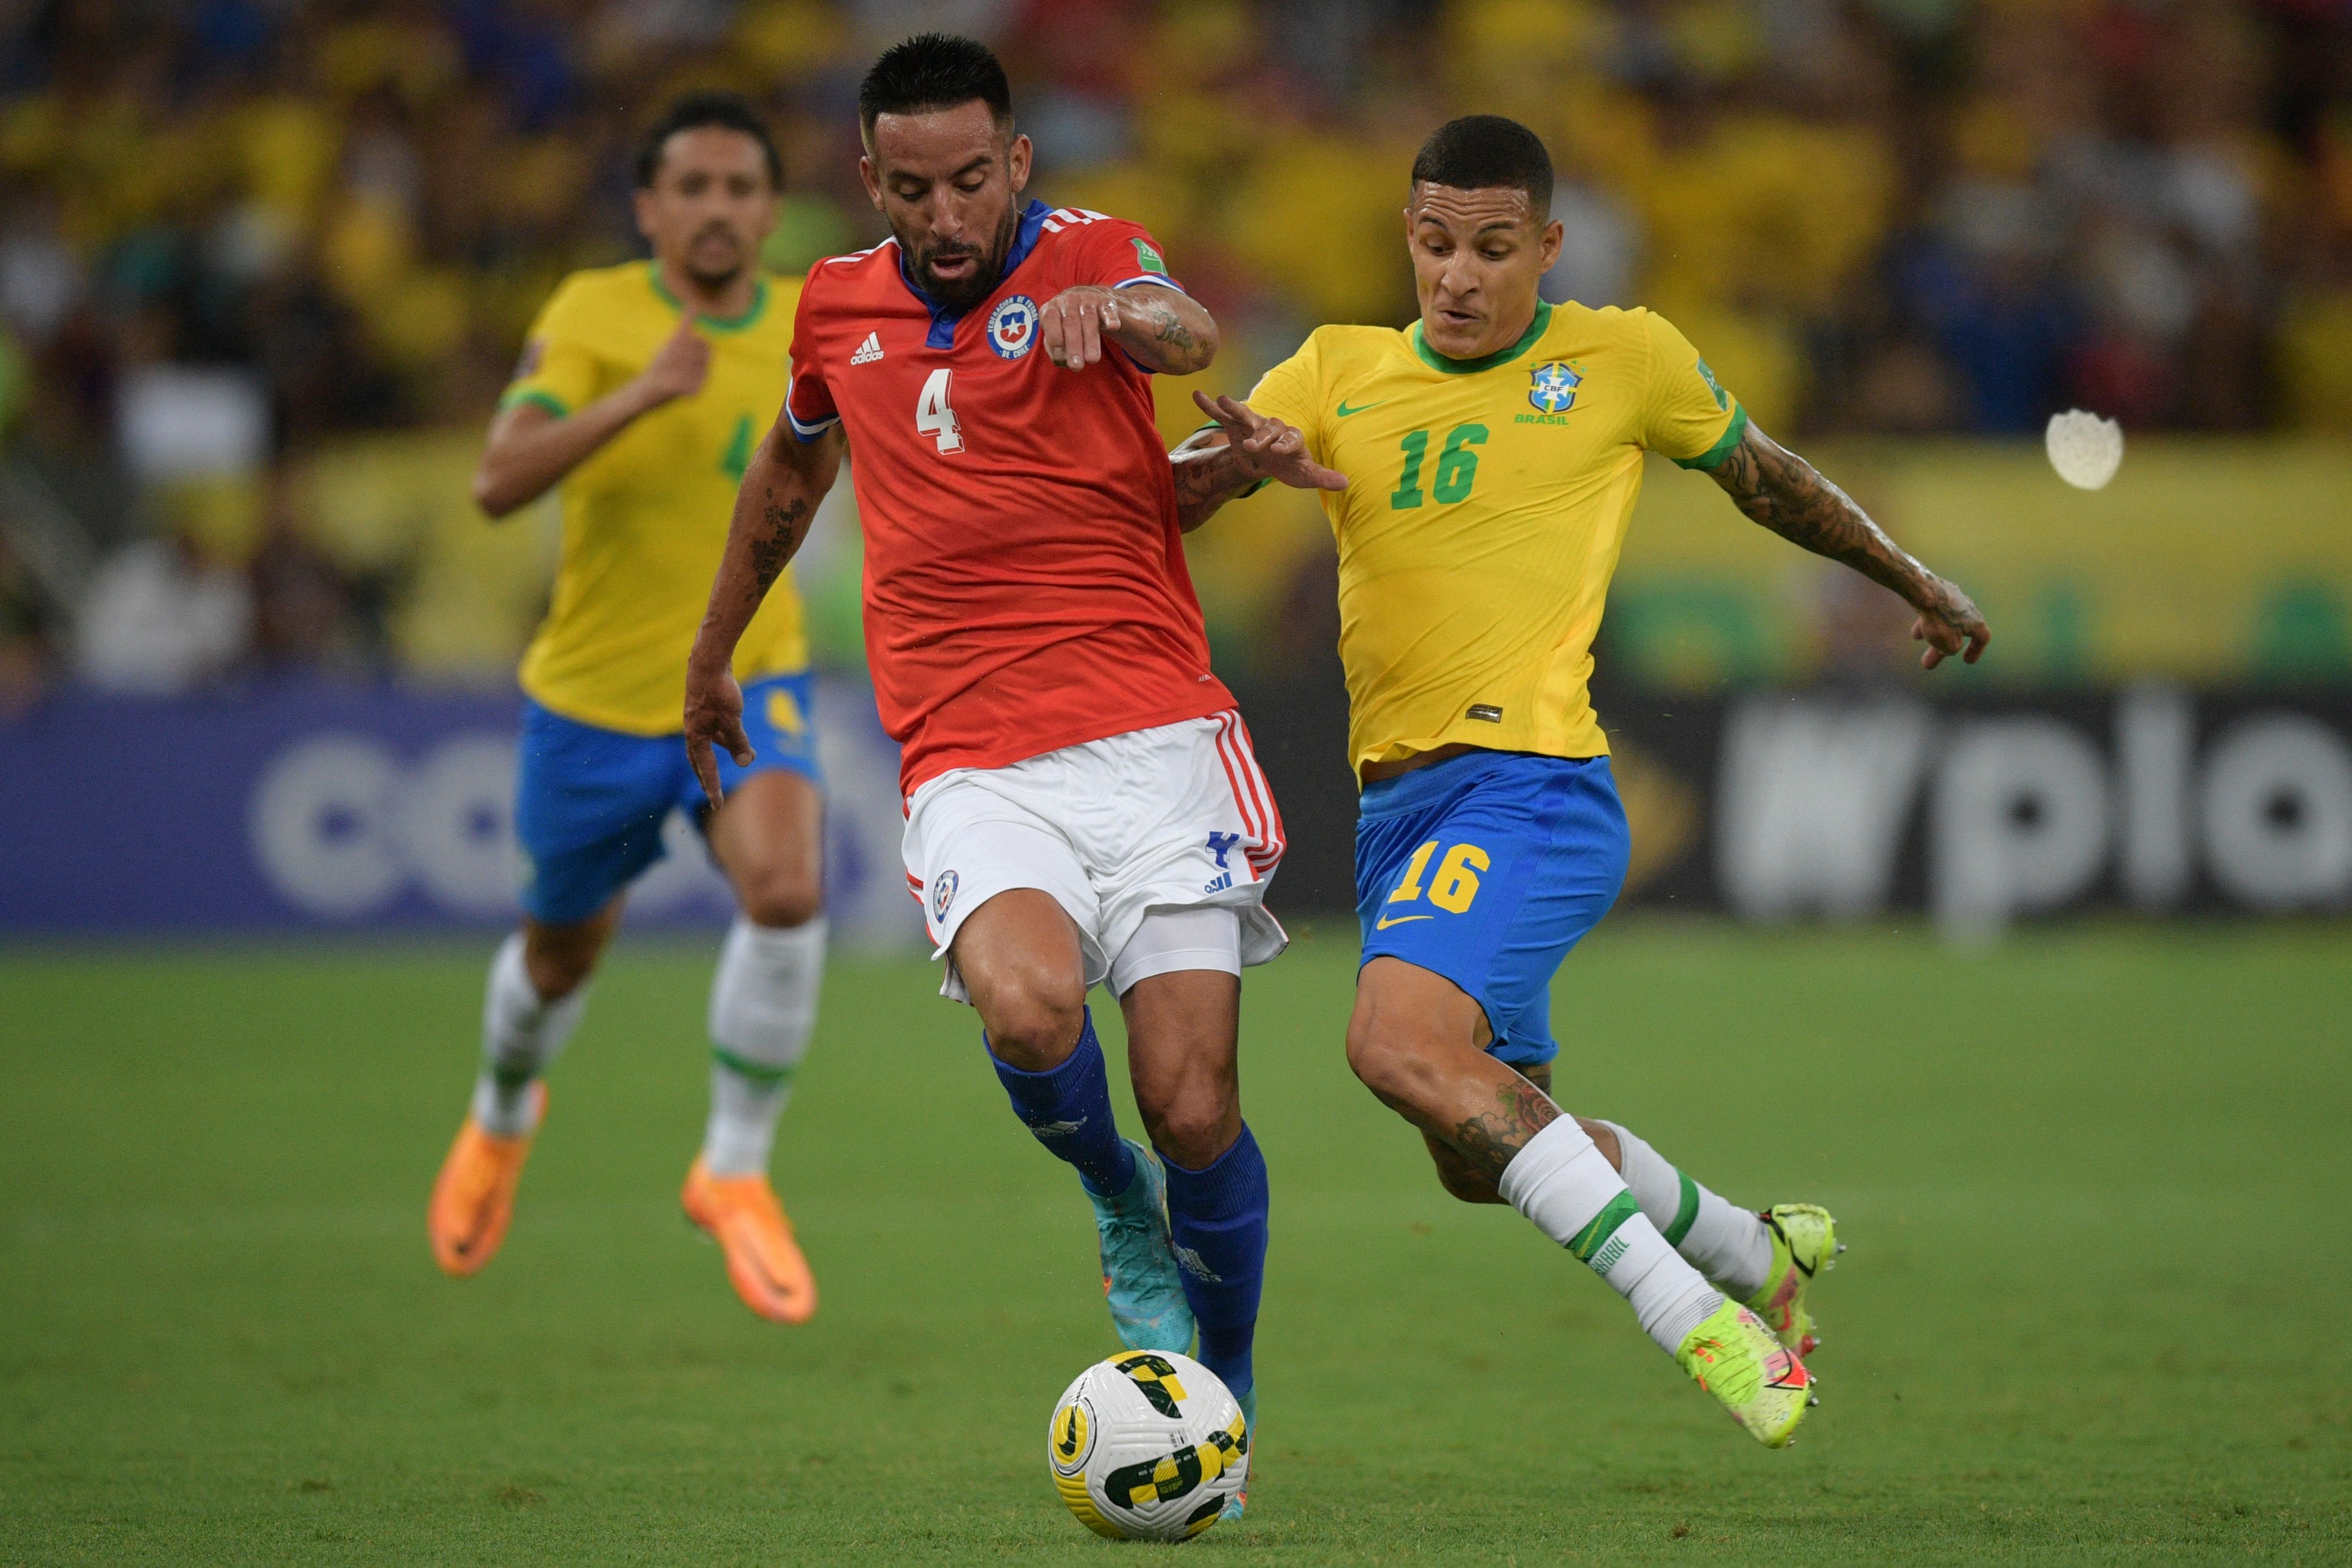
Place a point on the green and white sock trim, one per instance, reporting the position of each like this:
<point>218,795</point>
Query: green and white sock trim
<point>1564,1184</point>
<point>762,1012</point>
<point>522,1034</point>
<point>1729,1245</point>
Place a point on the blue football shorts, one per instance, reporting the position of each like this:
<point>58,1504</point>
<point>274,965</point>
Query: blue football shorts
<point>1486,869</point>
<point>589,802</point>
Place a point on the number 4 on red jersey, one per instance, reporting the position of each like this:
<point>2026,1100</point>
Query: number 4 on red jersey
<point>1025,586</point>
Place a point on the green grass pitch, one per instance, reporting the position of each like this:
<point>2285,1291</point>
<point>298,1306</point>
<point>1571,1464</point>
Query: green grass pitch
<point>2095,1183</point>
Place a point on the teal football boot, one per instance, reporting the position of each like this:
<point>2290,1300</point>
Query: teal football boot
<point>1141,1277</point>
<point>1239,1499</point>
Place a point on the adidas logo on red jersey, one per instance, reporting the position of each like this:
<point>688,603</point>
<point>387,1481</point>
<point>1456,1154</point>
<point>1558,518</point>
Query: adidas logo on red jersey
<point>868,350</point>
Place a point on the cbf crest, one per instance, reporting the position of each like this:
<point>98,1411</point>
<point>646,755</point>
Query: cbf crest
<point>1554,388</point>
<point>1013,327</point>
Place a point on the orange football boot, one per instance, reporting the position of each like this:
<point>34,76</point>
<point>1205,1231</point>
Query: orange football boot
<point>763,1262</point>
<point>473,1198</point>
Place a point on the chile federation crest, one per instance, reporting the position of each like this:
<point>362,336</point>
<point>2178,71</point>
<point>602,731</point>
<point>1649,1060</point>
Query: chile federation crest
<point>1013,327</point>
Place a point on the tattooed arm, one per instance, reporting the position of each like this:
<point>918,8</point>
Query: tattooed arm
<point>1163,329</point>
<point>1785,493</point>
<point>781,486</point>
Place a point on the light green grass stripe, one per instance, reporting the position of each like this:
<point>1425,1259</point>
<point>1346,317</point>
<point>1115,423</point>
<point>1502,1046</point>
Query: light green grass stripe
<point>1687,1216</point>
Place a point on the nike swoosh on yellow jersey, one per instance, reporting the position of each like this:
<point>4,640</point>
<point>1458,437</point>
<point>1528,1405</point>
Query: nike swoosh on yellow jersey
<point>1387,921</point>
<point>1344,412</point>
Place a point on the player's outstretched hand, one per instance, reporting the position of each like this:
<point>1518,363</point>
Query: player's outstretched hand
<point>1073,324</point>
<point>678,367</point>
<point>1950,626</point>
<point>714,717</point>
<point>1265,448</point>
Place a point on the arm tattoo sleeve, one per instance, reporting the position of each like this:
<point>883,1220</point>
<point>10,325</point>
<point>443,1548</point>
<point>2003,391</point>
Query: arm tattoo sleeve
<point>1785,493</point>
<point>1175,348</point>
<point>773,545</point>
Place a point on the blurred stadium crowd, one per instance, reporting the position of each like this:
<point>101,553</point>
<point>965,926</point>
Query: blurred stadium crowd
<point>264,264</point>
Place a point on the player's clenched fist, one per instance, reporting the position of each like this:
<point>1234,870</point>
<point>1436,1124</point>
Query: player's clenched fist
<point>678,367</point>
<point>1075,323</point>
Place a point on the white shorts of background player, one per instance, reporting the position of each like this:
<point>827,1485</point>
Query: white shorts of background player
<point>1158,843</point>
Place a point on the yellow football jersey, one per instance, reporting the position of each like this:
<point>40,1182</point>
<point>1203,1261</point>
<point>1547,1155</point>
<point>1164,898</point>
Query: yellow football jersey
<point>645,516</point>
<point>1485,502</point>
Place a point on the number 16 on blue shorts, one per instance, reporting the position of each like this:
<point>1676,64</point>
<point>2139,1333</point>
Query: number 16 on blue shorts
<point>1486,869</point>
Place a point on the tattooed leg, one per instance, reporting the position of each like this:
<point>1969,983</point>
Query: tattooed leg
<point>1419,1044</point>
<point>1472,1184</point>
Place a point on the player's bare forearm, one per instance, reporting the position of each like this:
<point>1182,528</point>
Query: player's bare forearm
<point>1789,495</point>
<point>1165,329</point>
<point>1208,475</point>
<point>781,486</point>
<point>531,449</point>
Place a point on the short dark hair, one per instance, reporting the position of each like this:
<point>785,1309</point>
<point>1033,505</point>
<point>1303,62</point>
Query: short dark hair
<point>696,110</point>
<point>1481,151</point>
<point>933,70</point>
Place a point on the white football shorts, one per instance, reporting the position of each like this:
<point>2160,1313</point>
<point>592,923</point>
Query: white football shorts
<point>1143,839</point>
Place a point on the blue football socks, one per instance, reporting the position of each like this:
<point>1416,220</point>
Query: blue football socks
<point>1069,1108</point>
<point>1216,1218</point>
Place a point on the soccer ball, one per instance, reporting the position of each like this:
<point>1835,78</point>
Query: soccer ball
<point>1146,1447</point>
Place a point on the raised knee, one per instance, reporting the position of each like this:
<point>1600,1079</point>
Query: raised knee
<point>1385,1060</point>
<point>558,969</point>
<point>1032,1019</point>
<point>783,898</point>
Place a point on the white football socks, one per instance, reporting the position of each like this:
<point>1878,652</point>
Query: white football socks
<point>522,1033</point>
<point>1729,1245</point>
<point>762,1012</point>
<point>1564,1184</point>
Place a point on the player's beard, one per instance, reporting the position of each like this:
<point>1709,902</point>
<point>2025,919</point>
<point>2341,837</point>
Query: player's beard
<point>961,294</point>
<point>711,278</point>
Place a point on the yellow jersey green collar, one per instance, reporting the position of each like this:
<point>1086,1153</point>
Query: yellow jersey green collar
<point>1437,361</point>
<point>744,322</point>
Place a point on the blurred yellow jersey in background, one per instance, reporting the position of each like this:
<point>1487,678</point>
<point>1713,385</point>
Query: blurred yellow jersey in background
<point>1485,502</point>
<point>645,516</point>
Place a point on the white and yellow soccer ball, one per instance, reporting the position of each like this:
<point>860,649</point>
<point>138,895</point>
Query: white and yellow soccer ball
<point>1147,1446</point>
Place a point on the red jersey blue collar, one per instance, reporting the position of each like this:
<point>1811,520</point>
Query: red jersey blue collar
<point>943,320</point>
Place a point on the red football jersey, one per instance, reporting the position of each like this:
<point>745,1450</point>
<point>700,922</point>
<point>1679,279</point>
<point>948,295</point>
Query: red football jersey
<point>1025,585</point>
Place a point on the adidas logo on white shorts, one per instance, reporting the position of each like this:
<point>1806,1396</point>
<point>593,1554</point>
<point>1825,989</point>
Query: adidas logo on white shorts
<point>868,350</point>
